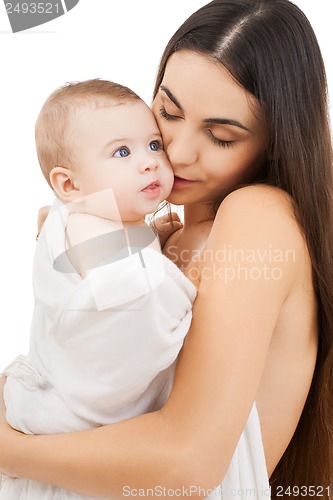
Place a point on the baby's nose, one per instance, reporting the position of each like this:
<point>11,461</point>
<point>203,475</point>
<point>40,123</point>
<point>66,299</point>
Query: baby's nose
<point>150,165</point>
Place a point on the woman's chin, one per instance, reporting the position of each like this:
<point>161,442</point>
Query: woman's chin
<point>187,198</point>
<point>181,197</point>
<point>174,200</point>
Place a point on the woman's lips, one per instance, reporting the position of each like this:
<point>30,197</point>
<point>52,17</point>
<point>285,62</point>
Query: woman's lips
<point>180,183</point>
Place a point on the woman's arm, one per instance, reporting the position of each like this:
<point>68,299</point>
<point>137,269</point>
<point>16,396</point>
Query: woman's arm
<point>190,441</point>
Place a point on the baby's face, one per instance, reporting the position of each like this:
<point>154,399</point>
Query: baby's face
<point>120,164</point>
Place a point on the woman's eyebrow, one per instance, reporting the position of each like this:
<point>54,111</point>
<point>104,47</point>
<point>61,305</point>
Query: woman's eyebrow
<point>171,97</point>
<point>226,121</point>
<point>219,121</point>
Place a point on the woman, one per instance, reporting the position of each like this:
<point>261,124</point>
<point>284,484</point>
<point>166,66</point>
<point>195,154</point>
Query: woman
<point>240,99</point>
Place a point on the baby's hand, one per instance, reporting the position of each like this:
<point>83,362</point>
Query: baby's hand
<point>166,225</point>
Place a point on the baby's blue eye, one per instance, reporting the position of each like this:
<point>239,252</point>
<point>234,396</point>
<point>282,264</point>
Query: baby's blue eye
<point>155,146</point>
<point>122,152</point>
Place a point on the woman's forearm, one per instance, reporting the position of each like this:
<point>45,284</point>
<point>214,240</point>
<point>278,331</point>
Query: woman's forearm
<point>106,461</point>
<point>110,461</point>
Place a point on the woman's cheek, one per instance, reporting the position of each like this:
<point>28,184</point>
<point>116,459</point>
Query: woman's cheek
<point>165,131</point>
<point>167,139</point>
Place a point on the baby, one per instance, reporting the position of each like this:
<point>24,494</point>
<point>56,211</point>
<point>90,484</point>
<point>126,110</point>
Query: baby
<point>111,312</point>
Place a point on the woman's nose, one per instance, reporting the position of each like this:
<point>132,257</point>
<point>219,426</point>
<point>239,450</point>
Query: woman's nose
<point>182,149</point>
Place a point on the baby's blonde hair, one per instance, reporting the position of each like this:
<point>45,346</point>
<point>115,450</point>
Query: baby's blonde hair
<point>53,131</point>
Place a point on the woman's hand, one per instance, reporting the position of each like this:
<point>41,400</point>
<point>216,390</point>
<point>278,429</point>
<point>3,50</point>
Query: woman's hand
<point>8,438</point>
<point>4,429</point>
<point>2,403</point>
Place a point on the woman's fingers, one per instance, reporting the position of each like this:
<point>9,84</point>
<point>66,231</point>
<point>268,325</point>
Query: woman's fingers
<point>2,404</point>
<point>5,432</point>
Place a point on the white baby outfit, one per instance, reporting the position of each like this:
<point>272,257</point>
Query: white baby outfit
<point>103,349</point>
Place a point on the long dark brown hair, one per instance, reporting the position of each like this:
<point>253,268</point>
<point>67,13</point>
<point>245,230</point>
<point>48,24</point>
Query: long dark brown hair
<point>270,49</point>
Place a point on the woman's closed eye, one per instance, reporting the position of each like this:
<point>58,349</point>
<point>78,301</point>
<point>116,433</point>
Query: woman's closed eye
<point>122,152</point>
<point>219,142</point>
<point>167,116</point>
<point>215,140</point>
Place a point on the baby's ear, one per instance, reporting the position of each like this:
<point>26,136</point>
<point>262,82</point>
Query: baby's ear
<point>63,182</point>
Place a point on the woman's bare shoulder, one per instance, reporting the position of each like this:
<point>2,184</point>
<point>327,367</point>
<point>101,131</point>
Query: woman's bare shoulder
<point>263,209</point>
<point>260,196</point>
<point>260,220</point>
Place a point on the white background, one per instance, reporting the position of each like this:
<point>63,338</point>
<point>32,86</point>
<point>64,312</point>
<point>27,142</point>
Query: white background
<point>120,40</point>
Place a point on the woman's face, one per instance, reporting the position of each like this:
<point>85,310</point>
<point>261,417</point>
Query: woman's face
<point>212,129</point>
